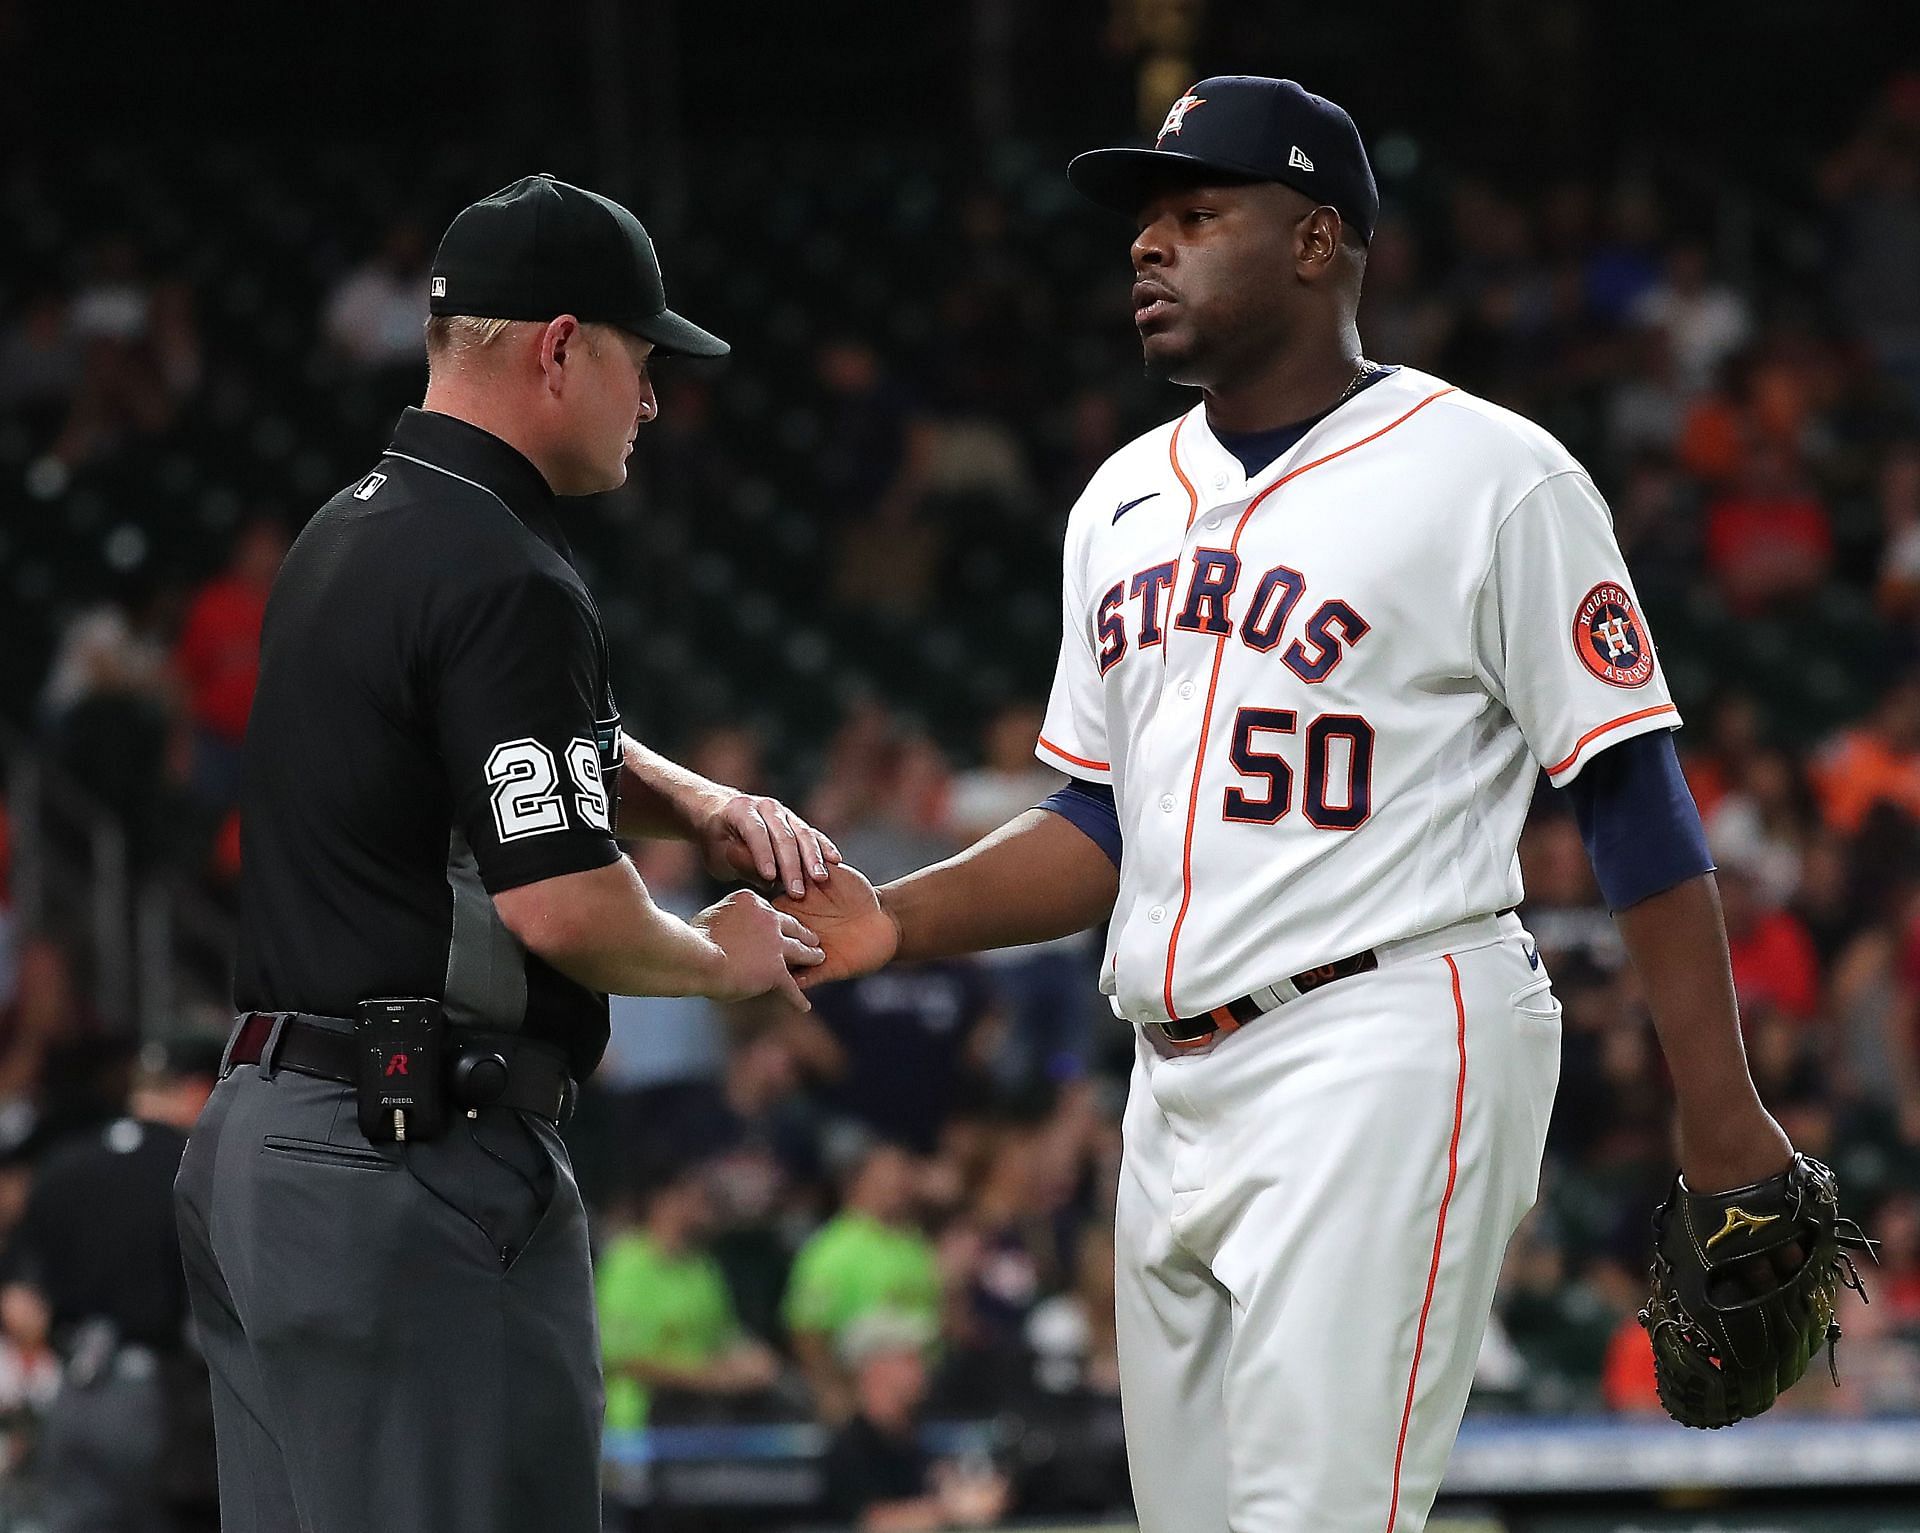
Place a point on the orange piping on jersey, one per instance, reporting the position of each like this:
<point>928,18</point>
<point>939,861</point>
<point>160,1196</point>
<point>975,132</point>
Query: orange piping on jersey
<point>1193,495</point>
<point>1439,1235</point>
<point>1079,761</point>
<point>1594,734</point>
<point>1219,651</point>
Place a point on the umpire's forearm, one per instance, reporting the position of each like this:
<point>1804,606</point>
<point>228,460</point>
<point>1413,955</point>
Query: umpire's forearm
<point>661,798</point>
<point>1678,943</point>
<point>1034,879</point>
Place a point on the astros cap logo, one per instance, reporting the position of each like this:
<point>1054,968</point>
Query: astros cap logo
<point>1610,639</point>
<point>1177,115</point>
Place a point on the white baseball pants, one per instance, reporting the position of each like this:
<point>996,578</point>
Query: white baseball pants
<point>1312,1216</point>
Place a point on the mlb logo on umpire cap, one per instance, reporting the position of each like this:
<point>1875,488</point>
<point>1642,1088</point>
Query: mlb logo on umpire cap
<point>438,287</point>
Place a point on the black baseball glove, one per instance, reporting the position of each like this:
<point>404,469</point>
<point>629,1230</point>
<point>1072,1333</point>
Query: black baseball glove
<point>1744,1286</point>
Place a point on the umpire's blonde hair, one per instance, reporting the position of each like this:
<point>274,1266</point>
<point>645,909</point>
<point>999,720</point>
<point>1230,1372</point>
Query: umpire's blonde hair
<point>454,336</point>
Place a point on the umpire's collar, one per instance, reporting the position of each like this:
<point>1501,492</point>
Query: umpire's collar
<point>478,456</point>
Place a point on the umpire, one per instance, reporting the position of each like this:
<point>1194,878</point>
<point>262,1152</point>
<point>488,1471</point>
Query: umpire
<point>385,1247</point>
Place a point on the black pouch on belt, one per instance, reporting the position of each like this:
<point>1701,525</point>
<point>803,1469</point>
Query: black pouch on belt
<point>401,1043</point>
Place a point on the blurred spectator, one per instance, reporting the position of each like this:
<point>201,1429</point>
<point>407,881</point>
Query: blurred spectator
<point>47,1011</point>
<point>1629,1386</point>
<point>668,1331</point>
<point>662,1040</point>
<point>1625,265</point>
<point>218,657</point>
<point>1008,781</point>
<point>1763,825</point>
<point>1704,321</point>
<point>1021,1252</point>
<point>1769,541</point>
<point>1903,1032</point>
<point>1071,1334</point>
<point>1564,911</point>
<point>39,364</point>
<point>882,795</point>
<point>1898,589</point>
<point>1402,315</point>
<point>113,713</point>
<point>863,464</point>
<point>1047,990</point>
<point>130,1432</point>
<point>912,1040</point>
<point>869,1258</point>
<point>1875,182</point>
<point>9,925</point>
<point>1775,965</point>
<point>375,317</point>
<point>1648,405</point>
<point>880,1478</point>
<point>1875,762</point>
<point>140,358</point>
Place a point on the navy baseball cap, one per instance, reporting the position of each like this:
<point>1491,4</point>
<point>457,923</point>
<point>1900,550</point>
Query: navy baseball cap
<point>540,247</point>
<point>1242,128</point>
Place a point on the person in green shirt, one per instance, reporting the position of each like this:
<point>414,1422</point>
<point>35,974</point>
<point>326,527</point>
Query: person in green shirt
<point>666,1318</point>
<point>872,1256</point>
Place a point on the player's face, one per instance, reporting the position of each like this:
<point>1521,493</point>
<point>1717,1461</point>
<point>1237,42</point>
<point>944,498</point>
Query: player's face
<point>1213,268</point>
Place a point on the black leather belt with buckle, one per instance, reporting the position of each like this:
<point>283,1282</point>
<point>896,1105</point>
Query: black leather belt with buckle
<point>1192,1032</point>
<point>489,1069</point>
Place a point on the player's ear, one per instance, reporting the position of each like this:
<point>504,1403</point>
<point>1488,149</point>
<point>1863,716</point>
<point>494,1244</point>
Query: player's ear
<point>1316,242</point>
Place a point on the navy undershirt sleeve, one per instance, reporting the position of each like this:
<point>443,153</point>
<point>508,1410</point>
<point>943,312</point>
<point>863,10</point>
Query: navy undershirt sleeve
<point>1638,819</point>
<point>1090,808</point>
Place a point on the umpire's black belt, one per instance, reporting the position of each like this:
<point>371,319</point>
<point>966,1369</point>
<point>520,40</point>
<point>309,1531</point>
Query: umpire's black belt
<point>537,1078</point>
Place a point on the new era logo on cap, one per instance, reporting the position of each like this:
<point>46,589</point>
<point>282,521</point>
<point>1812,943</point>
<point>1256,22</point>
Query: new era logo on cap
<point>1298,159</point>
<point>439,287</point>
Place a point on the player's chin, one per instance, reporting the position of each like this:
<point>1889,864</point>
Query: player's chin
<point>1168,355</point>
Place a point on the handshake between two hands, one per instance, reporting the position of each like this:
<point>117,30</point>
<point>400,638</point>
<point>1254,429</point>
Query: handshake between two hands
<point>825,923</point>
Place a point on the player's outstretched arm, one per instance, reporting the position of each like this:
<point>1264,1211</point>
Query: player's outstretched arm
<point>1678,944</point>
<point>1034,879</point>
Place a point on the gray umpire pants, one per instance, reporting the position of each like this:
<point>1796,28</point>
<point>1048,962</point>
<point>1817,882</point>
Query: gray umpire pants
<point>402,1339</point>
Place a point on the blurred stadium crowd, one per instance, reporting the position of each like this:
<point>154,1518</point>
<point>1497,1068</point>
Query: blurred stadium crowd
<point>835,578</point>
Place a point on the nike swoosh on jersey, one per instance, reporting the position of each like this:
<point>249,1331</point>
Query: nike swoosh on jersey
<point>1122,510</point>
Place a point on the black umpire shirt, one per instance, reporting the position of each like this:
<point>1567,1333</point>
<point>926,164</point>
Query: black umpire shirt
<point>433,725</point>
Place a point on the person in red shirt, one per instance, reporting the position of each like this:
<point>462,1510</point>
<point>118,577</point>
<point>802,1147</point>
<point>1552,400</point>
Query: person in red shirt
<point>1769,540</point>
<point>1775,964</point>
<point>218,657</point>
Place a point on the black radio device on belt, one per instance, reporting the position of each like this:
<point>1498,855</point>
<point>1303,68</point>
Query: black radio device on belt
<point>401,1043</point>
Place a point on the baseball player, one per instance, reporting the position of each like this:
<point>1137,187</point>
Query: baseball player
<point>1321,634</point>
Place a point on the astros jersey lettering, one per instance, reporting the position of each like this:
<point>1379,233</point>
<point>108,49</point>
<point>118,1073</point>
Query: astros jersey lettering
<point>1322,694</point>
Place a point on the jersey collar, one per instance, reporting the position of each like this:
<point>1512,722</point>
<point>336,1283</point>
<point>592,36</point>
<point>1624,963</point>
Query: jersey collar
<point>1217,475</point>
<point>452,444</point>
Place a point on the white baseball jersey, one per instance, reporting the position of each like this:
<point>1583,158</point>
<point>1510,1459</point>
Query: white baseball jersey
<point>1320,694</point>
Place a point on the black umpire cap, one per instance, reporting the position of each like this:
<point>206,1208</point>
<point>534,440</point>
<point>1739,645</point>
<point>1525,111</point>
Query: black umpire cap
<point>1242,128</point>
<point>540,247</point>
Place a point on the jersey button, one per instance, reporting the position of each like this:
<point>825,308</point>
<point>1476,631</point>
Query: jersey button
<point>1157,914</point>
<point>1186,689</point>
<point>1220,480</point>
<point>1166,803</point>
